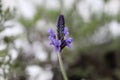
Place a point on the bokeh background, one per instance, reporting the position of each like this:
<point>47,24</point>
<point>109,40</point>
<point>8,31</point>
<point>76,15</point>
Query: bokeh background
<point>25,53</point>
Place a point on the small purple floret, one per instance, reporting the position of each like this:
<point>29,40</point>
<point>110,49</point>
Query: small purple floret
<point>57,44</point>
<point>66,33</point>
<point>52,34</point>
<point>68,42</point>
<point>51,40</point>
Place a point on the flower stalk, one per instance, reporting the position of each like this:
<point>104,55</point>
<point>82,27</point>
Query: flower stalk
<point>62,67</point>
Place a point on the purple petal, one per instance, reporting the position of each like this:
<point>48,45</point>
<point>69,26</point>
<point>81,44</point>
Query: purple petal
<point>57,44</point>
<point>66,33</point>
<point>57,49</point>
<point>51,40</point>
<point>52,34</point>
<point>50,30</point>
<point>68,42</point>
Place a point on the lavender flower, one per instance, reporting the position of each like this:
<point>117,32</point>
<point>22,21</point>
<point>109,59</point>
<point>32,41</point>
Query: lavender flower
<point>59,41</point>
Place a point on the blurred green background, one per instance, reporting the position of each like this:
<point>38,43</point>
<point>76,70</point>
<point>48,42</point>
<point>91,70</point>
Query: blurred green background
<point>25,53</point>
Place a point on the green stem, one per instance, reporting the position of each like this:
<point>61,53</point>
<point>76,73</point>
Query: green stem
<point>62,68</point>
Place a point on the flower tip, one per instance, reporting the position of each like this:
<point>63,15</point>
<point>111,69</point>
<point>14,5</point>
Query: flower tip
<point>61,15</point>
<point>61,19</point>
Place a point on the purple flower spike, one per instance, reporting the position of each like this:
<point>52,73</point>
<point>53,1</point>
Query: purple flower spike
<point>66,33</point>
<point>58,40</point>
<point>68,42</point>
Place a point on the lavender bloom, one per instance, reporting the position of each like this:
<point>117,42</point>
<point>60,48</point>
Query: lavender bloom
<point>59,41</point>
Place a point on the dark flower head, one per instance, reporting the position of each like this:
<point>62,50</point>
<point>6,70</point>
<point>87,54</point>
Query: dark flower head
<point>59,41</point>
<point>60,27</point>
